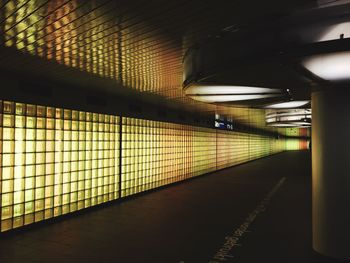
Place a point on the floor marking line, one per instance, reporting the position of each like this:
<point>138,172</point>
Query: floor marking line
<point>232,240</point>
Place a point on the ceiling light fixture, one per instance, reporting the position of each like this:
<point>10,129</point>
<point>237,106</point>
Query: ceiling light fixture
<point>337,31</point>
<point>289,125</point>
<point>228,98</point>
<point>288,105</point>
<point>332,66</point>
<point>223,93</point>
<point>288,117</point>
<point>283,125</point>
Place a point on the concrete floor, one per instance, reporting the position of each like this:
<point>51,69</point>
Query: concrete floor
<point>214,218</point>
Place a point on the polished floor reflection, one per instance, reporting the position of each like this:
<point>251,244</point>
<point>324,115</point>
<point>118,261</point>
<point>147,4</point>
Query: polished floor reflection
<point>188,222</point>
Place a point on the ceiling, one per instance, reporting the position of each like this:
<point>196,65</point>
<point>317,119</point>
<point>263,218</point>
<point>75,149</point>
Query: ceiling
<point>134,44</point>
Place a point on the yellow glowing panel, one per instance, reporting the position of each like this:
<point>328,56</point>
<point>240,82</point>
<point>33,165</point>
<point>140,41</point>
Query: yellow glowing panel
<point>56,161</point>
<point>38,144</point>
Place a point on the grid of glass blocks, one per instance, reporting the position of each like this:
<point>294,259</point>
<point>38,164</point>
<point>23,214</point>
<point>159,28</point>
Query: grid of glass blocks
<point>295,144</point>
<point>94,37</point>
<point>259,146</point>
<point>154,154</point>
<point>71,33</point>
<point>55,161</point>
<point>204,151</point>
<point>232,148</point>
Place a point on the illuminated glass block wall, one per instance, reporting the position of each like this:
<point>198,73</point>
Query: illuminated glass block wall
<point>159,153</point>
<point>232,148</point>
<point>279,145</point>
<point>204,151</point>
<point>54,161</point>
<point>295,144</point>
<point>97,37</point>
<point>153,154</point>
<point>259,146</point>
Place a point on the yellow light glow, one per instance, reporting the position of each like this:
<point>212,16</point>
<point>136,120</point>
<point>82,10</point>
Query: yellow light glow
<point>73,163</point>
<point>36,150</point>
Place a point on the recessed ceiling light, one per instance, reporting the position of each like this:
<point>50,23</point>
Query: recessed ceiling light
<point>294,125</point>
<point>227,98</point>
<point>288,117</point>
<point>224,93</point>
<point>332,66</point>
<point>198,89</point>
<point>281,125</point>
<point>288,105</point>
